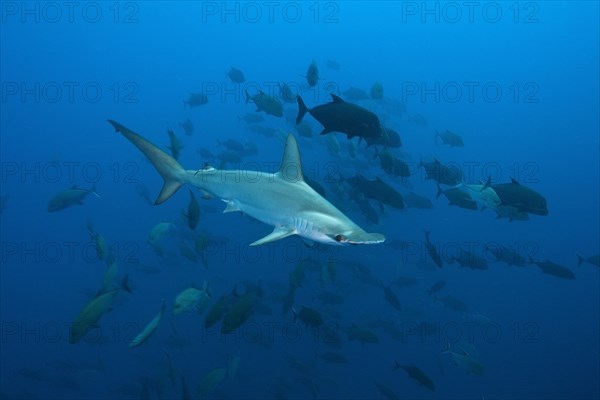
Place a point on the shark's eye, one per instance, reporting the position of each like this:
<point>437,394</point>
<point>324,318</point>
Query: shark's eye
<point>340,238</point>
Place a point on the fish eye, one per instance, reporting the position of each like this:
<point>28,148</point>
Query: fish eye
<point>340,238</point>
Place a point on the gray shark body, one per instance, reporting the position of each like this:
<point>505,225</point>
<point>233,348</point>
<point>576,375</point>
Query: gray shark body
<point>281,199</point>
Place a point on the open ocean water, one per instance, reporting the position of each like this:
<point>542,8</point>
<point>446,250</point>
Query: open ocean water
<point>465,133</point>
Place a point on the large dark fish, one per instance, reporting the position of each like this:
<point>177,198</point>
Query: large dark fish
<point>521,197</point>
<point>447,175</point>
<point>312,74</point>
<point>377,190</point>
<point>70,197</point>
<point>196,99</point>
<point>266,103</point>
<point>340,116</point>
<point>389,138</point>
<point>236,75</point>
<point>417,374</point>
<point>551,268</point>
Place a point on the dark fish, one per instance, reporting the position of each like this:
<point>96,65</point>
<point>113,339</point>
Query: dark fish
<point>551,268</point>
<point>391,298</point>
<point>309,316</point>
<point>452,302</point>
<point>377,190</point>
<point>175,145</point>
<point>450,138</point>
<point>432,251</point>
<point>594,260</point>
<point>521,197</point>
<point>233,145</point>
<point>436,287</point>
<point>506,255</point>
<point>70,197</point>
<point>252,118</point>
<point>414,200</point>
<point>239,312</point>
<point>377,91</point>
<point>417,374</point>
<point>447,175</point>
<point>193,212</point>
<point>236,75</point>
<point>361,334</point>
<point>188,127</point>
<point>389,138</point>
<point>366,208</point>
<point>457,197</point>
<point>392,165</point>
<point>218,310</point>
<point>469,259</point>
<point>386,391</point>
<point>266,103</point>
<point>340,116</point>
<point>312,74</point>
<point>229,157</point>
<point>196,99</point>
<point>286,93</point>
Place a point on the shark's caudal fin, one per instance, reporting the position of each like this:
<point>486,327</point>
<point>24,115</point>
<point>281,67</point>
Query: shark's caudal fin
<point>170,170</point>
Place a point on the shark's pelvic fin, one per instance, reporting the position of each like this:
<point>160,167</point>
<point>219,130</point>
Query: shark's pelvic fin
<point>278,233</point>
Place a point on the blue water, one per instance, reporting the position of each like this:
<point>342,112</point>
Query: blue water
<point>532,114</point>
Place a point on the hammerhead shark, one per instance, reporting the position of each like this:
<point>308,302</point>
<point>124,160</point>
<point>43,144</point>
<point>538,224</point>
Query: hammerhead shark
<point>281,199</point>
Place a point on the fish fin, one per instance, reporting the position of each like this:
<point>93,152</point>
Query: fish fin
<point>168,168</point>
<point>336,98</point>
<point>325,131</point>
<point>439,191</point>
<point>514,181</point>
<point>580,259</point>
<point>397,365</point>
<point>230,207</point>
<point>302,109</point>
<point>277,234</point>
<point>290,169</point>
<point>125,284</point>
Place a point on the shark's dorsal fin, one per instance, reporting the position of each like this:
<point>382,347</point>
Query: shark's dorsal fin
<point>337,99</point>
<point>291,167</point>
<point>514,181</point>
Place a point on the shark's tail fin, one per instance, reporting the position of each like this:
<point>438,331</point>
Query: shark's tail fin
<point>302,109</point>
<point>580,259</point>
<point>170,170</point>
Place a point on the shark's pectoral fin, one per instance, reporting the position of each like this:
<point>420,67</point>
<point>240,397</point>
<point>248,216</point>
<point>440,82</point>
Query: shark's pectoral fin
<point>230,207</point>
<point>278,233</point>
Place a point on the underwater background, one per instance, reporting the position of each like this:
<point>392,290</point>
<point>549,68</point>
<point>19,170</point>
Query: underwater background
<point>517,82</point>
